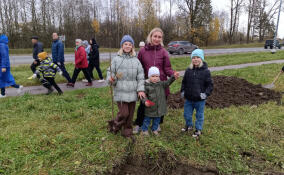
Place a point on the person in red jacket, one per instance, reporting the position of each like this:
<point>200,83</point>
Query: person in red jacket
<point>81,64</point>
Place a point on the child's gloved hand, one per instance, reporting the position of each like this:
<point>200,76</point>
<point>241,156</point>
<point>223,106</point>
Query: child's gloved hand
<point>182,94</point>
<point>149,103</point>
<point>60,73</point>
<point>203,96</point>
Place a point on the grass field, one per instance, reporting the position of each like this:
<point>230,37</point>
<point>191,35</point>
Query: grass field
<point>21,73</point>
<point>71,50</point>
<point>256,44</point>
<point>48,50</point>
<point>67,134</point>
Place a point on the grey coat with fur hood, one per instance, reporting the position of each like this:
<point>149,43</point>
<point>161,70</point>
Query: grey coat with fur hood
<point>129,77</point>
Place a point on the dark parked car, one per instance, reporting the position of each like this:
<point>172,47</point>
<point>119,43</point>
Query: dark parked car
<point>269,44</point>
<point>181,47</point>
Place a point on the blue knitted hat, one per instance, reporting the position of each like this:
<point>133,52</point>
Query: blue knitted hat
<point>198,53</point>
<point>126,38</point>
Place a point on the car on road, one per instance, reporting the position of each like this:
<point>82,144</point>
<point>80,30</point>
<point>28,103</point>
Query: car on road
<point>181,47</point>
<point>269,44</point>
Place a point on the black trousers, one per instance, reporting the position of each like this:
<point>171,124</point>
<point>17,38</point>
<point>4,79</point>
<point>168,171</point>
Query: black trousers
<point>48,82</point>
<point>141,114</point>
<point>91,67</point>
<point>76,73</point>
<point>33,66</point>
<point>64,71</point>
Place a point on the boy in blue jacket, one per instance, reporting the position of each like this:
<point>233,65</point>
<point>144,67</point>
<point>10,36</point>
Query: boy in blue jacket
<point>196,86</point>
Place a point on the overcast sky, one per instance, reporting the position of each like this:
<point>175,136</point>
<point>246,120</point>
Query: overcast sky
<point>220,5</point>
<point>225,5</point>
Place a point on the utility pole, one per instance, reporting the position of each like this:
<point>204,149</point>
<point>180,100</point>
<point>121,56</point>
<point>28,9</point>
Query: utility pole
<point>276,30</point>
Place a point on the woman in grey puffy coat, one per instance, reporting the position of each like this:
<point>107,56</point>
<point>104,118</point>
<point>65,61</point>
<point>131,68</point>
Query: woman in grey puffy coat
<point>126,75</point>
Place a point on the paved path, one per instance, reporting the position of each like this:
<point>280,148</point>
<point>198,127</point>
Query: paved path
<point>80,85</point>
<point>27,59</point>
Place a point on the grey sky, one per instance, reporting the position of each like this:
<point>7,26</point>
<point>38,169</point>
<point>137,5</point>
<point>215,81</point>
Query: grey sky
<point>220,5</point>
<point>225,5</point>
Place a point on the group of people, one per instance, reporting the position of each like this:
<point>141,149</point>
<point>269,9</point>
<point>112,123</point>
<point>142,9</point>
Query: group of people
<point>147,77</point>
<point>45,68</point>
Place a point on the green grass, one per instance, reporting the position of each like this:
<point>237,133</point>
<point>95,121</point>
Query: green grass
<point>22,72</point>
<point>67,134</point>
<point>256,44</point>
<point>71,50</point>
<point>230,59</point>
<point>66,51</point>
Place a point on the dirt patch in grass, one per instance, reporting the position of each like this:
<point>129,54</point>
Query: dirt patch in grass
<point>163,164</point>
<point>230,91</point>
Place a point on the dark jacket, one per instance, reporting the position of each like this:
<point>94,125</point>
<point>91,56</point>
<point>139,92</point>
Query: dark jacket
<point>94,55</point>
<point>283,68</point>
<point>156,56</point>
<point>196,81</point>
<point>57,51</point>
<point>38,47</point>
<point>47,68</point>
<point>156,93</point>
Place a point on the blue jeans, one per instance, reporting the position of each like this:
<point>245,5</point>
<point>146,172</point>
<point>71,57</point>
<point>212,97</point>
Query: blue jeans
<point>3,91</point>
<point>189,106</point>
<point>147,121</point>
<point>64,71</point>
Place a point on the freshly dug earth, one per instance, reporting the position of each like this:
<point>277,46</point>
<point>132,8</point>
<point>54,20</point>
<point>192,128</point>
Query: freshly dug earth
<point>162,165</point>
<point>230,91</point>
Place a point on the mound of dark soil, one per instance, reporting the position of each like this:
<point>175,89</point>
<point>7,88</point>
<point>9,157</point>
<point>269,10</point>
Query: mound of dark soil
<point>230,91</point>
<point>134,166</point>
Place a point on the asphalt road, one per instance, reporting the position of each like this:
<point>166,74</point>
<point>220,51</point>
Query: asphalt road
<point>27,59</point>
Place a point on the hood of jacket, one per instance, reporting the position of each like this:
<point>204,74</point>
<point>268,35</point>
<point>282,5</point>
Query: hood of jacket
<point>4,39</point>
<point>203,65</point>
<point>94,42</point>
<point>151,47</point>
<point>126,55</point>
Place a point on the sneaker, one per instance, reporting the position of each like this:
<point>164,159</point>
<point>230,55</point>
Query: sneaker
<point>156,133</point>
<point>196,133</point>
<point>136,129</point>
<point>31,77</point>
<point>70,85</point>
<point>187,128</point>
<point>85,80</point>
<point>145,133</point>
<point>89,84</point>
<point>2,96</point>
<point>20,89</point>
<point>159,129</point>
<point>101,81</point>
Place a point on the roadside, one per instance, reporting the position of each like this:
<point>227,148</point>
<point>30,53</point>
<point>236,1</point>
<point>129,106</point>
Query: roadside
<point>80,85</point>
<point>105,56</point>
<point>28,51</point>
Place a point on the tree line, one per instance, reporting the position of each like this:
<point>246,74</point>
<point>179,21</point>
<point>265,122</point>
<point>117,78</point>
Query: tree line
<point>109,20</point>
